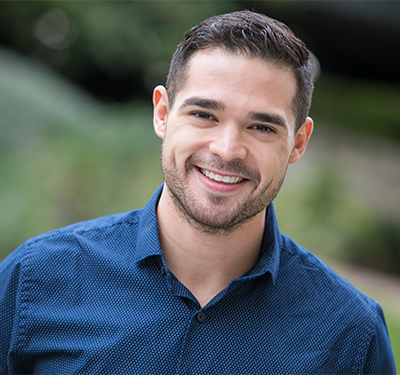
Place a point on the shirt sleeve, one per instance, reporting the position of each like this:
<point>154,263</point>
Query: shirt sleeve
<point>380,359</point>
<point>9,287</point>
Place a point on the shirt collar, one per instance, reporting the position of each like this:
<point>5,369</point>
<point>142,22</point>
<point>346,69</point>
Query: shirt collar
<point>148,243</point>
<point>270,247</point>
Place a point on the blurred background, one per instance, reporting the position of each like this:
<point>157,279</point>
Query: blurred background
<point>76,137</point>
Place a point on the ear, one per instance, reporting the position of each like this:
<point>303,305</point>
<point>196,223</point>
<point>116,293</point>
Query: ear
<point>302,138</point>
<point>160,103</point>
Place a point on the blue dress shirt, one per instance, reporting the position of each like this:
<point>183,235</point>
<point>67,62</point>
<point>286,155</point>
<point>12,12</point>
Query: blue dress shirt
<point>97,298</point>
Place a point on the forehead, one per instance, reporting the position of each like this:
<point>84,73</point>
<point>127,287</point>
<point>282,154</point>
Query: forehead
<point>240,81</point>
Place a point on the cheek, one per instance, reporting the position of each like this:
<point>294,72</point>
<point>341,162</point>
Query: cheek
<point>188,140</point>
<point>284,152</point>
<point>181,147</point>
<point>274,161</point>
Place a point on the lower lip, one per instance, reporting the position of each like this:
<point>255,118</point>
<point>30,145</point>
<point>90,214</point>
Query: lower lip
<point>219,187</point>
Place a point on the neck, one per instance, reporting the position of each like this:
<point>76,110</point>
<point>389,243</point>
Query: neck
<point>203,262</point>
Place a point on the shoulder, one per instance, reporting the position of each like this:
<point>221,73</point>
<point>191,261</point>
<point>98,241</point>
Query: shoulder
<point>352,321</point>
<point>318,286</point>
<point>58,250</point>
<point>318,281</point>
<point>87,234</point>
<point>67,257</point>
<point>90,227</point>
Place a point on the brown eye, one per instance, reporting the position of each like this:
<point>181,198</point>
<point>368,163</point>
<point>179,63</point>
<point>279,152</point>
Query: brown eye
<point>203,116</point>
<point>263,128</point>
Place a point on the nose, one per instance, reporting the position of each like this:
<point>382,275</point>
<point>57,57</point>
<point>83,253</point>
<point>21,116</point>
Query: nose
<point>228,144</point>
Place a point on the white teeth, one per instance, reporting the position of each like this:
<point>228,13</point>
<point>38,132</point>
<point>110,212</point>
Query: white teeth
<point>217,177</point>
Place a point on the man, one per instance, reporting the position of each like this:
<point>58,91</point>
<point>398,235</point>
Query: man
<point>200,281</point>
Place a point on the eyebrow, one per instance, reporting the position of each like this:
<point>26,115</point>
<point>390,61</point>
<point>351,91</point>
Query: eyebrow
<point>203,103</point>
<point>268,117</point>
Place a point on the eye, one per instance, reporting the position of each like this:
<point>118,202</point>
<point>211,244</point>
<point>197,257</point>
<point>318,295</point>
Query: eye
<point>263,128</point>
<point>203,115</point>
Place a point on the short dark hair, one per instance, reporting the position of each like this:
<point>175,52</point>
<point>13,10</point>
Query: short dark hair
<point>252,34</point>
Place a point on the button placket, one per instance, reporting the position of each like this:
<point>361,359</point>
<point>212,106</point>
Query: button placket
<point>201,316</point>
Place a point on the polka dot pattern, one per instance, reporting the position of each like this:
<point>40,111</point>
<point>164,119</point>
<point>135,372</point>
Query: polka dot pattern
<point>97,298</point>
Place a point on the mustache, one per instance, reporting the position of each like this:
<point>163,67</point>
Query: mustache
<point>233,166</point>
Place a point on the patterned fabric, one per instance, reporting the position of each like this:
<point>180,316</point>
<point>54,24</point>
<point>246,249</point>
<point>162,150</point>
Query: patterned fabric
<point>97,298</point>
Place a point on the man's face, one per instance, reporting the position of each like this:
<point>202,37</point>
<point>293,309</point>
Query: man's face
<point>228,139</point>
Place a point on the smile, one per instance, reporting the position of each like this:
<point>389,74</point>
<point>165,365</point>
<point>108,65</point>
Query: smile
<point>219,178</point>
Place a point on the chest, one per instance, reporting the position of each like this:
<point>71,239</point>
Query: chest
<point>143,331</point>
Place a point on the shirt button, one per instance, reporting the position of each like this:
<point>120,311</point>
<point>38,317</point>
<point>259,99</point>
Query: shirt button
<point>162,270</point>
<point>201,317</point>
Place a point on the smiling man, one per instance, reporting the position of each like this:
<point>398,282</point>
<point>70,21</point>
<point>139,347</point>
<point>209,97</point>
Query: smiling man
<point>229,136</point>
<point>200,281</point>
